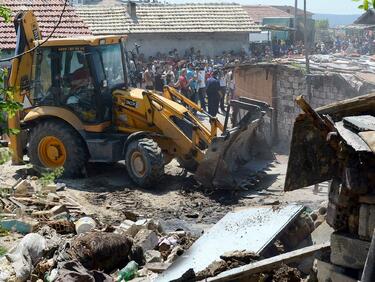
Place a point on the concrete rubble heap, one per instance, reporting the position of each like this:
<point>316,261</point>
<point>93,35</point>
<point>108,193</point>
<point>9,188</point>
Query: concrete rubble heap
<point>347,156</point>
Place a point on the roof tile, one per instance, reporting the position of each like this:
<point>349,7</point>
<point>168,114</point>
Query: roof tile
<point>47,13</point>
<point>166,18</point>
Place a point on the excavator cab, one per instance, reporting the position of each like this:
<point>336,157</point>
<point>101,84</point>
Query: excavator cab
<point>79,78</point>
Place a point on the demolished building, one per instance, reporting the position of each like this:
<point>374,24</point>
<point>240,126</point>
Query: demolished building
<point>332,79</point>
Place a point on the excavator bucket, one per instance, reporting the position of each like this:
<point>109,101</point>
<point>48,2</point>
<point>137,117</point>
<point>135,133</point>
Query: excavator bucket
<point>234,159</point>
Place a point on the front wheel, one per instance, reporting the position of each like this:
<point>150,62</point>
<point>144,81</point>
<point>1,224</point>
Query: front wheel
<point>144,162</point>
<point>54,144</point>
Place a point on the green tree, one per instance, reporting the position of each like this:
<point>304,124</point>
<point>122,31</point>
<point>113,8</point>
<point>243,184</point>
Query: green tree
<point>8,106</point>
<point>366,4</point>
<point>321,24</point>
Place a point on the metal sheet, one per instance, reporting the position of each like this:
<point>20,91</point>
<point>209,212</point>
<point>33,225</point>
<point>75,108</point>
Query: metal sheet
<point>250,229</point>
<point>351,138</point>
<point>360,123</point>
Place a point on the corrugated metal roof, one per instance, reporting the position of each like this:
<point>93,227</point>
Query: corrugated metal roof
<point>47,13</point>
<point>167,18</point>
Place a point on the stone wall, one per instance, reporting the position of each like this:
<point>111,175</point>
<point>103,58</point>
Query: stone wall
<point>279,85</point>
<point>325,89</point>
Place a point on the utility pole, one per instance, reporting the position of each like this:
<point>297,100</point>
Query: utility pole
<point>307,53</point>
<point>307,45</point>
<point>295,21</point>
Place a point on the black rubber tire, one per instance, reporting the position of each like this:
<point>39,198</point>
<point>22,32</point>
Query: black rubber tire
<point>76,150</point>
<point>153,158</point>
<point>190,165</point>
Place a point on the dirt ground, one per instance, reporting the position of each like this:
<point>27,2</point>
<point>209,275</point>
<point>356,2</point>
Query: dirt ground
<point>108,194</point>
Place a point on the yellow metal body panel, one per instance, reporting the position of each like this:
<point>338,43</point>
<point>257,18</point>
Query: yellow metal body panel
<point>19,79</point>
<point>82,41</point>
<point>142,110</point>
<point>61,113</point>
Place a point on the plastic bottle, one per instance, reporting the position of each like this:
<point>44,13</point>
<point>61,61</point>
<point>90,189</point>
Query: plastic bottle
<point>128,272</point>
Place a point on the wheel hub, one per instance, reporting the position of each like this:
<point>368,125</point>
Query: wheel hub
<point>138,164</point>
<point>51,152</point>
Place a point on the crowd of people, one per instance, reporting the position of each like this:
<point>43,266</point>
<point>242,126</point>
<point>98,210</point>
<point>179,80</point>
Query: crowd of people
<point>364,45</point>
<point>209,82</point>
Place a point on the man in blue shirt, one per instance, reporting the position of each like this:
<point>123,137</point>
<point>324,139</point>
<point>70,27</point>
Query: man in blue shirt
<point>213,95</point>
<point>190,76</point>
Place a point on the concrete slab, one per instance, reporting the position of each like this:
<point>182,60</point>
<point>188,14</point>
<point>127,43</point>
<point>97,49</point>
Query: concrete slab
<point>252,230</point>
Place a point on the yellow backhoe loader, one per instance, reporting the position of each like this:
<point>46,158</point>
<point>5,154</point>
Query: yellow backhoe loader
<point>78,107</point>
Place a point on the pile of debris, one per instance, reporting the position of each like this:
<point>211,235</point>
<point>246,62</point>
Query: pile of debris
<point>61,243</point>
<point>340,141</point>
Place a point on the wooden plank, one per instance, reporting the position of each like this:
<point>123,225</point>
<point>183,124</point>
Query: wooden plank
<point>269,264</point>
<point>350,106</point>
<point>367,199</point>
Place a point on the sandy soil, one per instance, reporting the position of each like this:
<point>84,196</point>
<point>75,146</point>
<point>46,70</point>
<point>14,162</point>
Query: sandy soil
<point>108,194</point>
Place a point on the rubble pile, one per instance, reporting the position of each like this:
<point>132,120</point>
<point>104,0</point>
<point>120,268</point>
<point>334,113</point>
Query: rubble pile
<point>341,148</point>
<point>61,243</point>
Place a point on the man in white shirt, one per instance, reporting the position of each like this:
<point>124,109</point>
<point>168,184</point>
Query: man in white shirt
<point>202,87</point>
<point>223,91</point>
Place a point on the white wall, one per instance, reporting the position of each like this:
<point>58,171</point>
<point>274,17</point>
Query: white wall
<point>211,44</point>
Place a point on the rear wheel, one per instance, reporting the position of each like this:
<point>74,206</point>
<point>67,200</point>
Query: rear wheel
<point>144,162</point>
<point>55,144</point>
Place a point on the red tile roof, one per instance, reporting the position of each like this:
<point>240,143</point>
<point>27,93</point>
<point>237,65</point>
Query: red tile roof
<point>258,12</point>
<point>47,13</point>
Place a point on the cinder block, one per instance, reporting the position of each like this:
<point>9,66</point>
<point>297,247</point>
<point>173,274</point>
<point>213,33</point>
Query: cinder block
<point>327,272</point>
<point>348,251</point>
<point>366,221</point>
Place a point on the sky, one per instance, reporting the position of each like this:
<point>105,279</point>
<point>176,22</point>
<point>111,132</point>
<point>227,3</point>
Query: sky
<point>315,6</point>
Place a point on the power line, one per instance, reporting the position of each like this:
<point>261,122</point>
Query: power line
<point>43,42</point>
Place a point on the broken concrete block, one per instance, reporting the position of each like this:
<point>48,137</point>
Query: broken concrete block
<point>366,221</point>
<point>52,188</point>
<point>23,188</point>
<point>348,251</point>
<point>128,227</point>
<point>332,273</point>
<point>148,224</point>
<point>23,226</point>
<point>146,239</point>
<point>53,197</point>
<point>175,253</point>
<point>157,267</point>
<point>153,256</point>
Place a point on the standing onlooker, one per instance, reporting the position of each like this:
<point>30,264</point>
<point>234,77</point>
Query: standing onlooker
<point>183,84</point>
<point>148,78</point>
<point>223,91</point>
<point>190,76</point>
<point>159,83</point>
<point>213,95</point>
<point>170,78</point>
<point>230,84</point>
<point>201,76</point>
